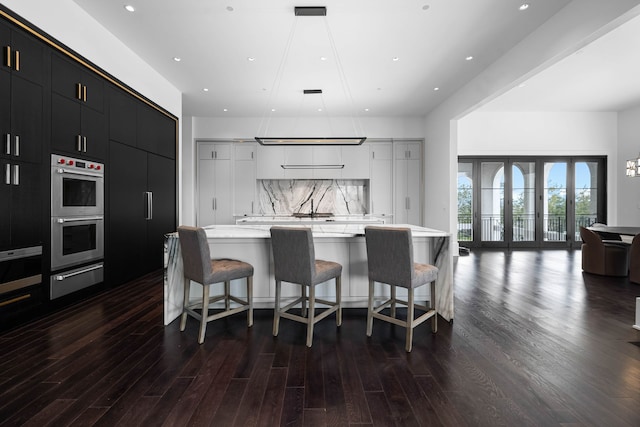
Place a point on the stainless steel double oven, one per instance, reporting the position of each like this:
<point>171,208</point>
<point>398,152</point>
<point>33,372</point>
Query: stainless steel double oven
<point>77,224</point>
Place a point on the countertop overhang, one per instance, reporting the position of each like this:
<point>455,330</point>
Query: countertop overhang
<point>320,230</point>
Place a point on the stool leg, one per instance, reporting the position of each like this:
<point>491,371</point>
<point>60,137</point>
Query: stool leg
<point>339,300</point>
<point>393,301</point>
<point>370,309</point>
<point>227,291</point>
<point>303,307</point>
<point>276,311</point>
<point>410,310</point>
<point>434,319</point>
<point>310,318</point>
<point>185,303</point>
<point>250,300</point>
<point>205,313</point>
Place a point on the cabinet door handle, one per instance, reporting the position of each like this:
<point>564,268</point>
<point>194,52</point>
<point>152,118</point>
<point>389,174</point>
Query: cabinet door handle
<point>7,147</point>
<point>79,143</point>
<point>16,174</point>
<point>252,205</point>
<point>17,66</point>
<point>16,152</point>
<point>373,155</point>
<point>84,144</point>
<point>79,91</point>
<point>84,93</point>
<point>7,174</point>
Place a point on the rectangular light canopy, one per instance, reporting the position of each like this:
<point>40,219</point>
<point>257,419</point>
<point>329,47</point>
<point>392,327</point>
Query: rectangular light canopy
<point>633,168</point>
<point>310,11</point>
<point>356,140</point>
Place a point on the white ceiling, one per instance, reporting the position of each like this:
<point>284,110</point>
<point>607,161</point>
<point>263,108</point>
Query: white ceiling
<point>431,38</point>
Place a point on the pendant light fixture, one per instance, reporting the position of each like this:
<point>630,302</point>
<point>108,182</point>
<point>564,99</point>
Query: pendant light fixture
<point>313,11</point>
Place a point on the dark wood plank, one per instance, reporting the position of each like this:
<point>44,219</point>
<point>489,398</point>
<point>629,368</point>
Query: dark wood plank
<point>534,342</point>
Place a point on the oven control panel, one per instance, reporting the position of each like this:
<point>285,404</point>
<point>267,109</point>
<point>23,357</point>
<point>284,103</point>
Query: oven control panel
<point>77,164</point>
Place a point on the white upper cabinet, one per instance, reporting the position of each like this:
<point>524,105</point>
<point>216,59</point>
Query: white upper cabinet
<point>269,162</point>
<point>214,151</point>
<point>381,178</point>
<point>356,161</point>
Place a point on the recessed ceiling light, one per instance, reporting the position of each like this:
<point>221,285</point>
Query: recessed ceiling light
<point>251,59</point>
<point>206,89</point>
<point>524,6</point>
<point>273,110</point>
<point>436,88</point>
<point>395,59</point>
<point>469,58</point>
<point>366,109</point>
<point>230,8</point>
<point>319,109</point>
<point>177,58</point>
<point>323,58</point>
<point>522,85</point>
<point>425,7</point>
<point>129,8</point>
<point>225,110</point>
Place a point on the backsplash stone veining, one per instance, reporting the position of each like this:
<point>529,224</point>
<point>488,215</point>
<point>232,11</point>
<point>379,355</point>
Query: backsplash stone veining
<point>289,196</point>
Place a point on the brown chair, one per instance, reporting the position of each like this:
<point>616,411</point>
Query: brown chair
<point>390,261</point>
<point>200,268</point>
<point>603,257</point>
<point>294,261</point>
<point>634,260</point>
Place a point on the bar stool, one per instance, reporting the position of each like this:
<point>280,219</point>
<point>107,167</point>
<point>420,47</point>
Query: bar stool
<point>390,261</point>
<point>294,262</point>
<point>200,268</point>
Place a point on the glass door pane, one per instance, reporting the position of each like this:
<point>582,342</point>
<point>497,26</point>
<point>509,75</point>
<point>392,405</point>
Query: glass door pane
<point>523,204</point>
<point>492,201</point>
<point>586,195</point>
<point>554,225</point>
<point>465,202</point>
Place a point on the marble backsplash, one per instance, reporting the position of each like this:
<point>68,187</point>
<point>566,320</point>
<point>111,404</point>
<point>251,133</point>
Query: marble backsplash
<point>289,196</point>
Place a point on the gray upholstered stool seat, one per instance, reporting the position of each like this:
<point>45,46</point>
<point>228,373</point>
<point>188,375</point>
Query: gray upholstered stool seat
<point>390,261</point>
<point>200,268</point>
<point>294,262</point>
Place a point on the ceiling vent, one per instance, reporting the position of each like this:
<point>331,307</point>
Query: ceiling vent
<point>311,11</point>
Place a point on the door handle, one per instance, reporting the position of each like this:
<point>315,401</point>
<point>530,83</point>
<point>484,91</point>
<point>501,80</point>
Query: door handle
<point>79,143</point>
<point>7,174</point>
<point>61,277</point>
<point>17,66</point>
<point>84,144</point>
<point>149,204</point>
<point>7,148</point>
<point>16,152</point>
<point>16,175</point>
<point>7,55</point>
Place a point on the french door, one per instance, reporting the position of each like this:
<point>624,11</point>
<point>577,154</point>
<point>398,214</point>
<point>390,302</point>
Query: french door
<point>529,201</point>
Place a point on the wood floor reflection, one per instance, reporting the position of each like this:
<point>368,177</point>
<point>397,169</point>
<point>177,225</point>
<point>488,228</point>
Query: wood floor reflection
<point>534,342</point>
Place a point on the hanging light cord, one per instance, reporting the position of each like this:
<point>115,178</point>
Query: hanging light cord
<point>275,87</point>
<point>355,122</point>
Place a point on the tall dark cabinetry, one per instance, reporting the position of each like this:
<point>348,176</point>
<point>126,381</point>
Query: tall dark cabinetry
<point>21,133</point>
<point>78,124</point>
<point>141,188</point>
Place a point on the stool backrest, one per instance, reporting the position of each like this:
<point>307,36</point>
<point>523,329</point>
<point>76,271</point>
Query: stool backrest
<point>294,258</point>
<point>196,257</point>
<point>390,255</point>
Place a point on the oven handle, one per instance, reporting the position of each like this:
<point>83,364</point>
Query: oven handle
<point>61,277</point>
<point>74,172</point>
<point>88,218</point>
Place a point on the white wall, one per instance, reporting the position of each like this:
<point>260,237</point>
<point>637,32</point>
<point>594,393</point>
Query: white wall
<point>628,148</point>
<point>544,134</point>
<point>576,25</point>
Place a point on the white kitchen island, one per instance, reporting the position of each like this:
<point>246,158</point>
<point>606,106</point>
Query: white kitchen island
<point>343,243</point>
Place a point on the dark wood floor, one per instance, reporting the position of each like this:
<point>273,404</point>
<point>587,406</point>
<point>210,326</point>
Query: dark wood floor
<point>534,342</point>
